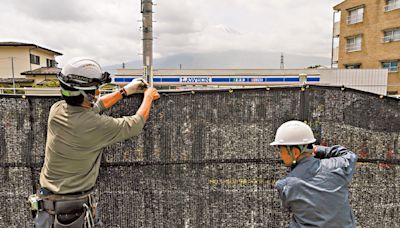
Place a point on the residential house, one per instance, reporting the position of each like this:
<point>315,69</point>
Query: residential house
<point>26,64</point>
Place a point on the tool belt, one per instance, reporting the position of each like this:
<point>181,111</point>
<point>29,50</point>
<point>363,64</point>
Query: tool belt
<point>68,211</point>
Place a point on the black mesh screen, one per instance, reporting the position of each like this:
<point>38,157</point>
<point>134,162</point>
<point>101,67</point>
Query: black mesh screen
<point>204,160</point>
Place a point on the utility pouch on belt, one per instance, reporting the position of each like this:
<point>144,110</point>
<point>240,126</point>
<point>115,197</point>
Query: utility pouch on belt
<point>77,223</point>
<point>65,211</point>
<point>70,206</point>
<point>70,213</point>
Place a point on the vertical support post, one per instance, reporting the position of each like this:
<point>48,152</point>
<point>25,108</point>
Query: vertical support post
<point>147,25</point>
<point>13,76</point>
<point>304,104</point>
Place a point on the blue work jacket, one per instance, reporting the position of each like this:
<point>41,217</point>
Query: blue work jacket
<point>316,190</point>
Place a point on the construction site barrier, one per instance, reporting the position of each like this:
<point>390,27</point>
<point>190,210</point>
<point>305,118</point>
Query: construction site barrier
<point>204,160</point>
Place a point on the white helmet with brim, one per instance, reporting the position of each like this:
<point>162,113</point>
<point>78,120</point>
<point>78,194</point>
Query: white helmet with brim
<point>293,133</point>
<point>83,74</point>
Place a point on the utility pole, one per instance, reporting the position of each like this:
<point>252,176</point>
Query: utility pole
<point>333,38</point>
<point>147,26</point>
<point>12,69</point>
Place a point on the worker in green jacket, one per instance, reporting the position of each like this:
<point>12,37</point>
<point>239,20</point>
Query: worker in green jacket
<point>76,135</point>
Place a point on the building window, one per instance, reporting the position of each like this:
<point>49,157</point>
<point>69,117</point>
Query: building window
<point>35,59</point>
<point>391,35</point>
<point>353,43</point>
<point>355,15</point>
<point>51,63</point>
<point>352,66</point>
<point>392,66</point>
<point>392,5</point>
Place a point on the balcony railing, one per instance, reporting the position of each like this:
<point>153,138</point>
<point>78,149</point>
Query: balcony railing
<point>391,68</point>
<point>353,47</point>
<point>392,6</point>
<point>355,19</point>
<point>388,39</point>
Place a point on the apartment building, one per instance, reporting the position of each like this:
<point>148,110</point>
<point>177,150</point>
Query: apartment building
<point>19,61</point>
<point>368,37</point>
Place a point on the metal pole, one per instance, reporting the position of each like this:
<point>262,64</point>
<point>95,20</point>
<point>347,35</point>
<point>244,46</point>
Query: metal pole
<point>333,38</point>
<point>147,25</point>
<point>12,69</point>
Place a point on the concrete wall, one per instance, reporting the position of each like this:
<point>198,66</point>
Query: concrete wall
<point>204,158</point>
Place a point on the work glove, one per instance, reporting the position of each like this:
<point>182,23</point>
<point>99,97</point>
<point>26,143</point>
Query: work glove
<point>134,86</point>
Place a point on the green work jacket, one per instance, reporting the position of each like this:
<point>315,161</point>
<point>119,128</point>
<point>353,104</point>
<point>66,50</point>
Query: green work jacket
<point>75,139</point>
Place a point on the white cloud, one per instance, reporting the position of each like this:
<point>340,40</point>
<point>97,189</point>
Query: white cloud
<point>108,30</point>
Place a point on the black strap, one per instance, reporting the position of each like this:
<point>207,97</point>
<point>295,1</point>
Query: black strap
<point>70,79</point>
<point>46,192</point>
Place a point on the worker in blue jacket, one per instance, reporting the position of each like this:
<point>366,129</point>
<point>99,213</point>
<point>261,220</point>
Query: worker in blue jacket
<point>316,191</point>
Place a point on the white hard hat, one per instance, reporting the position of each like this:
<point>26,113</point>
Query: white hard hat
<point>83,74</point>
<point>293,133</point>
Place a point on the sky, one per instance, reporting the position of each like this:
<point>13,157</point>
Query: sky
<point>109,30</point>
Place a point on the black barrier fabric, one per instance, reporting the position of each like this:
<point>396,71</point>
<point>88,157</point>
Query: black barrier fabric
<point>204,160</point>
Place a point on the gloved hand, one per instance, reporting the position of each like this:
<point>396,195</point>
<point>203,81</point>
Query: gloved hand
<point>134,86</point>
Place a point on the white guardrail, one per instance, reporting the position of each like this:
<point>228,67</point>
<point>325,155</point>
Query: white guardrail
<point>355,19</point>
<point>387,39</point>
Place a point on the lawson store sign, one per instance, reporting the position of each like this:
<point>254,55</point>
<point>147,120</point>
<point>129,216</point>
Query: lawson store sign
<point>221,80</point>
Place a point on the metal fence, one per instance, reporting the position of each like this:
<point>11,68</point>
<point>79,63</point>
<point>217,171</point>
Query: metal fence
<point>204,160</point>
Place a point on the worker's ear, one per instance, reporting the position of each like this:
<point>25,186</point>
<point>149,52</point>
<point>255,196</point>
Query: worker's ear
<point>296,152</point>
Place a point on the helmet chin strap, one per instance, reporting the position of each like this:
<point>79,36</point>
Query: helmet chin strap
<point>289,149</point>
<point>90,98</point>
<point>303,149</point>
